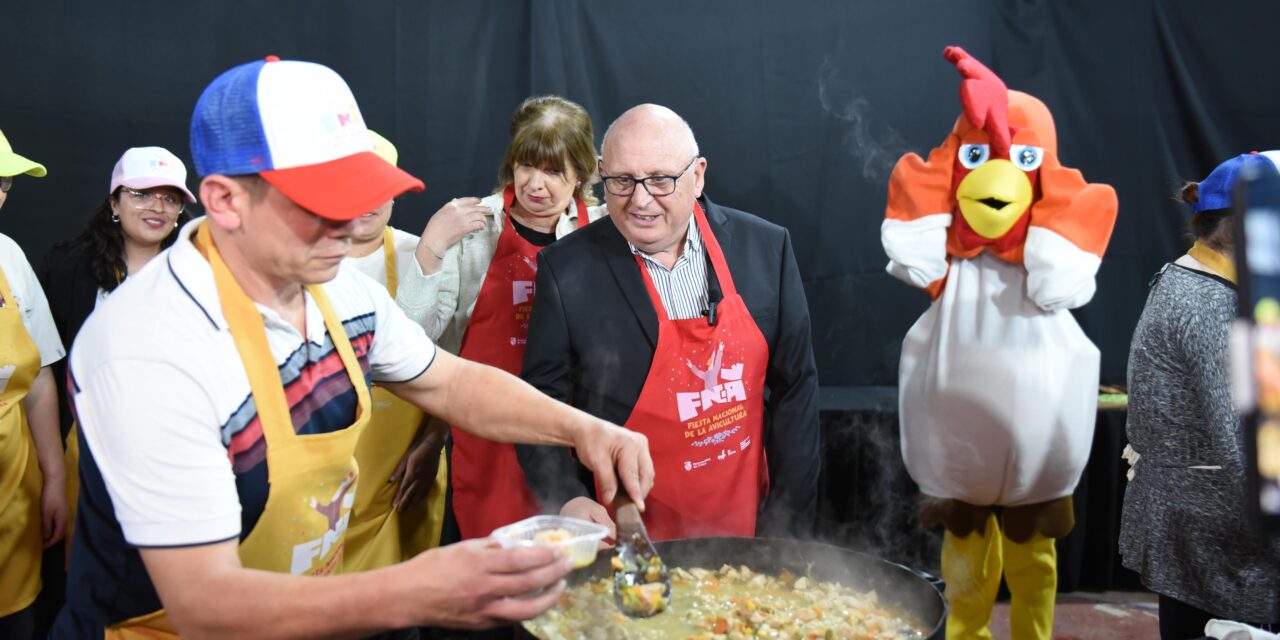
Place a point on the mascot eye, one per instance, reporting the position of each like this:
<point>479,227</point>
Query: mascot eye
<point>972,155</point>
<point>1027,157</point>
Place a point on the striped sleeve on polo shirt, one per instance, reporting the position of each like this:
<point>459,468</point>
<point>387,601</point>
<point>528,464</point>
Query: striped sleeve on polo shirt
<point>683,287</point>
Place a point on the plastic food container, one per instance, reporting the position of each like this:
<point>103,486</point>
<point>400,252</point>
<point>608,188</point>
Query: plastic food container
<point>578,538</point>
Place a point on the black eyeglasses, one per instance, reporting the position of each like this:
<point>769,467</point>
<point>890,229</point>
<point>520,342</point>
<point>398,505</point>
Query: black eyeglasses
<point>6,183</point>
<point>657,186</point>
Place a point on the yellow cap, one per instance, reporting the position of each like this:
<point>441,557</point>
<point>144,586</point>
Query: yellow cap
<point>12,164</point>
<point>384,148</point>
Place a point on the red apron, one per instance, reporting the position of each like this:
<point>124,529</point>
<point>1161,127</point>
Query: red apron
<point>702,408</point>
<point>489,488</point>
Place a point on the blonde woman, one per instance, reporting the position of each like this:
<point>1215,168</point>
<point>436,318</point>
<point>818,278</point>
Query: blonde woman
<point>480,258</point>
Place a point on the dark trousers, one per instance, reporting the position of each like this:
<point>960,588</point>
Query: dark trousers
<point>53,589</point>
<point>1181,621</point>
<point>20,625</point>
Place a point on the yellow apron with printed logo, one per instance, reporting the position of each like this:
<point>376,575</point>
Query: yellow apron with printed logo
<point>21,542</point>
<point>380,536</point>
<point>312,477</point>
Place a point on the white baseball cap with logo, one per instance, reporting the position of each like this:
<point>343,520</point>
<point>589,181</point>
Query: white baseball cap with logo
<point>150,167</point>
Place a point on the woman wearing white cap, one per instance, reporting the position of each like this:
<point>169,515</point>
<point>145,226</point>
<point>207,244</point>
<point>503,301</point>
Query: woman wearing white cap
<point>144,206</point>
<point>33,507</point>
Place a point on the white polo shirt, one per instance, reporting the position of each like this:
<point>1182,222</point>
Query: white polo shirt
<point>164,404</point>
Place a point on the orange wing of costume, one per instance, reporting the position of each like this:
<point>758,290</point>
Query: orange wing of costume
<point>1059,228</point>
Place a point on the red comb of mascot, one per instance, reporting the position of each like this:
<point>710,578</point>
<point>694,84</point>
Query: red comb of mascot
<point>998,384</point>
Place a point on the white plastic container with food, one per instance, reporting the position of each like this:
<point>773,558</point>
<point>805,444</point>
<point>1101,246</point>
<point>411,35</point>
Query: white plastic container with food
<point>578,538</point>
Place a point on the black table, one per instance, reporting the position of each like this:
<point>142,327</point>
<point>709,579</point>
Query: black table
<point>868,502</point>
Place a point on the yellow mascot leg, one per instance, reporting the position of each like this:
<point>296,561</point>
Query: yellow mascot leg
<point>971,568</point>
<point>1031,572</point>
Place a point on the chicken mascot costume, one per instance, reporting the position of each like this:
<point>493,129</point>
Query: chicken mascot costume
<point>998,384</point>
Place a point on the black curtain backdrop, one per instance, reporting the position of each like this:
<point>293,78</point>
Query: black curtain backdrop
<point>801,109</point>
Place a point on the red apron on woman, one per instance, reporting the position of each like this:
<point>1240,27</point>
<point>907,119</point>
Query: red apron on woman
<point>489,487</point>
<point>702,409</point>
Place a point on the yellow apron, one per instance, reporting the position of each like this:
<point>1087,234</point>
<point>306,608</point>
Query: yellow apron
<point>21,542</point>
<point>312,477</point>
<point>379,536</point>
<point>72,455</point>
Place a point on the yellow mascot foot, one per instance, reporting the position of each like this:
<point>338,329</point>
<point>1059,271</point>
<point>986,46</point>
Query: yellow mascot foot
<point>1031,572</point>
<point>971,567</point>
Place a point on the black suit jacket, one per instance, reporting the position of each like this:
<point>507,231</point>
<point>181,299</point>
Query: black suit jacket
<point>68,283</point>
<point>593,332</point>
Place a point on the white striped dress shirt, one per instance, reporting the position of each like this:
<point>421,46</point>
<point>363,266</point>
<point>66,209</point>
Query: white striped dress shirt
<point>683,287</point>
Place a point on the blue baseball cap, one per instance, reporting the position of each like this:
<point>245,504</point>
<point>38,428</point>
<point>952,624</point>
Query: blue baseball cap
<point>1217,189</point>
<point>297,125</point>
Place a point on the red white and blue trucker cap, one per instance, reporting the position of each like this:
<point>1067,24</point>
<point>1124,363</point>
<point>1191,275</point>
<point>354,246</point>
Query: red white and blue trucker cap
<point>297,125</point>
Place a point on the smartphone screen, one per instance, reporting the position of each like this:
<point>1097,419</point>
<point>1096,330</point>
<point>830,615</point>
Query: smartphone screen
<point>1256,337</point>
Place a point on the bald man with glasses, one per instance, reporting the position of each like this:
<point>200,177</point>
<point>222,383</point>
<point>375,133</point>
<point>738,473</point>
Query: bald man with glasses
<point>686,321</point>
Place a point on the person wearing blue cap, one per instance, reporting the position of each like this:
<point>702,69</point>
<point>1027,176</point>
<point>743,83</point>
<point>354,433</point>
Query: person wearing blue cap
<point>33,501</point>
<point>220,400</point>
<point>1183,527</point>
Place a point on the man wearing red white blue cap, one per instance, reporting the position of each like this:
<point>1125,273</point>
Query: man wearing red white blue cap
<point>221,391</point>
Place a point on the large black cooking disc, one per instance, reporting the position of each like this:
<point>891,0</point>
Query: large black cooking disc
<point>903,590</point>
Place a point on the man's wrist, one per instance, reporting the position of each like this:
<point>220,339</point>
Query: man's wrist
<point>579,428</point>
<point>396,615</point>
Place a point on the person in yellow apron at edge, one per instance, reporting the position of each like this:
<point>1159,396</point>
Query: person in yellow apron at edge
<point>400,510</point>
<point>220,401</point>
<point>33,500</point>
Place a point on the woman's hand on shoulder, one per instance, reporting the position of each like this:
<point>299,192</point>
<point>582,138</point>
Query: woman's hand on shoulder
<point>448,227</point>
